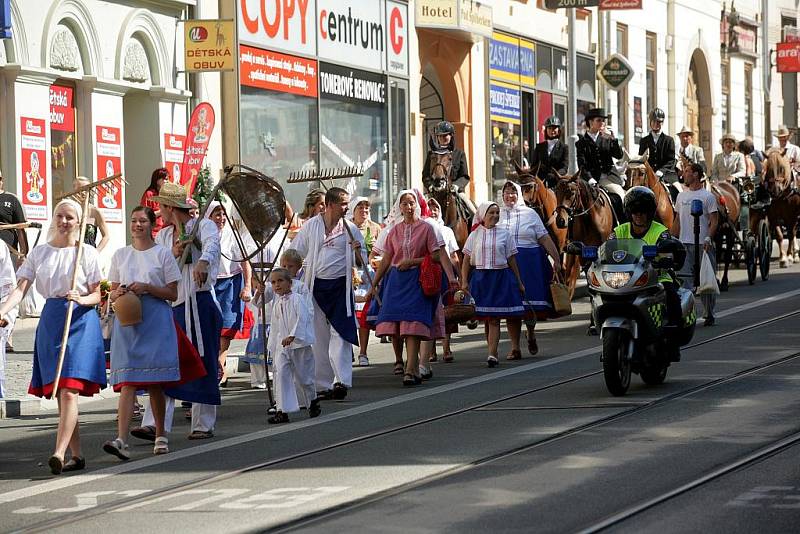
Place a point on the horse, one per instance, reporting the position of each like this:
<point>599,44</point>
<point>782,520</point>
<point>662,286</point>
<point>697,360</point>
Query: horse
<point>729,205</point>
<point>440,188</point>
<point>590,218</point>
<point>785,206</point>
<point>542,199</point>
<point>640,173</point>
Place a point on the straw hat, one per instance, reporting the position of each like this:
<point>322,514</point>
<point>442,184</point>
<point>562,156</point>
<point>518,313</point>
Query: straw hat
<point>686,130</point>
<point>783,131</point>
<point>173,195</point>
<point>727,137</point>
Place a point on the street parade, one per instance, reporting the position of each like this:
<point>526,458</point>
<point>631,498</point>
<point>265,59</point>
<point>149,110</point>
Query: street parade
<point>388,264</point>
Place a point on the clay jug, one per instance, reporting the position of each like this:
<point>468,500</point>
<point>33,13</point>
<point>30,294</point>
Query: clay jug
<point>128,309</point>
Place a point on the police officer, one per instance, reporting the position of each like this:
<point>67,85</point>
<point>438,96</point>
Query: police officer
<point>551,156</point>
<point>661,146</point>
<point>595,152</point>
<point>445,137</point>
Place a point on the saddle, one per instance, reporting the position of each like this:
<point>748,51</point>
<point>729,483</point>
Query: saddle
<point>602,197</point>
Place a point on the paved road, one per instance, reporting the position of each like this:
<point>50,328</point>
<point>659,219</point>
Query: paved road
<point>535,445</point>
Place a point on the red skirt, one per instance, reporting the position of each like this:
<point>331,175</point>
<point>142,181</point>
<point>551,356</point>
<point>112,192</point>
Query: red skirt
<point>84,388</point>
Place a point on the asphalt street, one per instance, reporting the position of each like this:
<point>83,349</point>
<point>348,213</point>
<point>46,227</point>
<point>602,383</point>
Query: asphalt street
<point>531,446</point>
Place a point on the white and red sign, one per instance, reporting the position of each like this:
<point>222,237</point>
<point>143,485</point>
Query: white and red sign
<point>397,38</point>
<point>788,57</point>
<point>352,31</point>
<point>33,143</point>
<point>201,125</point>
<point>287,25</point>
<point>274,71</point>
<point>62,111</point>
<point>109,163</point>
<point>173,155</point>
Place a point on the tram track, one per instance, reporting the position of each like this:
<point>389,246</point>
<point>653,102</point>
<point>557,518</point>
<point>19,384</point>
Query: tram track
<point>132,503</point>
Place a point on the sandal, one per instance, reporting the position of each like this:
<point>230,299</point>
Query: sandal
<point>76,463</point>
<point>491,361</point>
<point>161,446</point>
<point>201,434</point>
<point>278,418</point>
<point>515,354</point>
<point>399,368</point>
<point>410,380</point>
<point>533,347</point>
<point>448,357</point>
<point>433,357</point>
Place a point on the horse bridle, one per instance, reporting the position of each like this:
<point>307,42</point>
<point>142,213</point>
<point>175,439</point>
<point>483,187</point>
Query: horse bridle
<point>575,204</point>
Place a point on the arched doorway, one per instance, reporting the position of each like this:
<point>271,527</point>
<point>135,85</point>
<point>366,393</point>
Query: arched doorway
<point>697,103</point>
<point>431,104</point>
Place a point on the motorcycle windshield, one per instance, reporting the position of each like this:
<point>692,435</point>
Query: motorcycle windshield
<point>620,251</point>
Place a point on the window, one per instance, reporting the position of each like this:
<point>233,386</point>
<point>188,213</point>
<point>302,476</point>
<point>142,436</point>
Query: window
<point>622,95</point>
<point>651,50</point>
<point>748,98</point>
<point>726,94</point>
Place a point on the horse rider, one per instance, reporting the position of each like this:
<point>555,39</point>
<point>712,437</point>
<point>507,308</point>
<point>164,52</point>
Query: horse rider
<point>729,165</point>
<point>551,156</point>
<point>661,150</point>
<point>789,150</point>
<point>640,208</point>
<point>459,172</point>
<point>595,151</point>
<point>688,150</point>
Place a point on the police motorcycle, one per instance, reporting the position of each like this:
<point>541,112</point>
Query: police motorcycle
<point>630,306</point>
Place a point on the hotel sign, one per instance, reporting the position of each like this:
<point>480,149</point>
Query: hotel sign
<point>468,16</point>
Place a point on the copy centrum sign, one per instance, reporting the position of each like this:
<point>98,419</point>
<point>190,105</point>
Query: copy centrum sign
<point>209,45</point>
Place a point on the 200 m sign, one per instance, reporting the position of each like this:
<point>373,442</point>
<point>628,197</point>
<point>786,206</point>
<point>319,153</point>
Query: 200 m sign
<point>556,4</point>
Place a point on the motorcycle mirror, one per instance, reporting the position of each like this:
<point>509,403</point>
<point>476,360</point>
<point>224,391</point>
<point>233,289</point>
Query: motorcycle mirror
<point>649,252</point>
<point>589,253</point>
<point>574,248</point>
<point>697,207</point>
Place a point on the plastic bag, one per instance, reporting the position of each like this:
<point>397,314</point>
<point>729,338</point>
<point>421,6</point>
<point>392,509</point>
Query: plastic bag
<point>708,277</point>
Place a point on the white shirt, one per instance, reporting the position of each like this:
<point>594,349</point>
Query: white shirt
<point>51,268</point>
<point>335,246</point>
<point>229,252</point>
<point>291,316</point>
<point>655,135</point>
<point>7,276</point>
<point>684,206</point>
<point>594,136</point>
<point>792,154</point>
<point>552,143</point>
<point>209,239</point>
<point>524,224</point>
<point>490,248</point>
<point>155,266</point>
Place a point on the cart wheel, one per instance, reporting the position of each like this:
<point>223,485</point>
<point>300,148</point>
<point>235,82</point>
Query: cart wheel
<point>765,249</point>
<point>750,259</point>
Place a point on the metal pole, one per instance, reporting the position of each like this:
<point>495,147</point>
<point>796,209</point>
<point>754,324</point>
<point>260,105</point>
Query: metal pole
<point>572,103</point>
<point>766,72</point>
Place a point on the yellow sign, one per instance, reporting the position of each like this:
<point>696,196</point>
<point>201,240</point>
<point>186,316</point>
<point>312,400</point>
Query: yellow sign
<point>209,45</point>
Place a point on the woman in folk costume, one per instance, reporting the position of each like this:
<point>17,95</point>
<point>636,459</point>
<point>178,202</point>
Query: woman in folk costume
<point>84,370</point>
<point>232,288</point>
<point>495,285</point>
<point>359,212</point>
<point>406,313</point>
<point>7,282</point>
<point>291,335</point>
<point>450,250</point>
<point>329,254</point>
<point>533,246</point>
<point>195,310</point>
<point>145,355</point>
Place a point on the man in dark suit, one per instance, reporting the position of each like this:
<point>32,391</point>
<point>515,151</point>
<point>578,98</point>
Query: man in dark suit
<point>595,151</point>
<point>551,155</point>
<point>662,148</point>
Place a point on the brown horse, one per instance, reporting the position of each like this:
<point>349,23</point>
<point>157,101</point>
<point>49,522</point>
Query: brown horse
<point>785,207</point>
<point>640,172</point>
<point>589,218</point>
<point>440,187</point>
<point>542,199</point>
<point>729,206</point>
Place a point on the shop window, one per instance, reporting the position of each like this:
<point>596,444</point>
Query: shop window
<point>622,95</point>
<point>63,145</point>
<point>399,128</point>
<point>279,135</point>
<point>505,146</point>
<point>748,98</point>
<point>651,82</point>
<point>726,94</point>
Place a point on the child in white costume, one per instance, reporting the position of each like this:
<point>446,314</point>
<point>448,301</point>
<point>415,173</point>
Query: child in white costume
<point>8,281</point>
<point>290,338</point>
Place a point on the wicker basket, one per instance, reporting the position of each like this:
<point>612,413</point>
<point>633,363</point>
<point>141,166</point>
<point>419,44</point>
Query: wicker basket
<point>458,313</point>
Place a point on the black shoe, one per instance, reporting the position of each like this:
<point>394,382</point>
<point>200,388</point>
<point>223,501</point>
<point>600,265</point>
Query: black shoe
<point>472,324</point>
<point>411,380</point>
<point>491,361</point>
<point>325,395</point>
<point>339,391</point>
<point>427,375</point>
<point>314,410</point>
<point>709,321</point>
<point>147,433</point>
<point>272,410</point>
<point>278,418</point>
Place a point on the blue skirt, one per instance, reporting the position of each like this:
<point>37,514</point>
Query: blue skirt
<point>254,352</point>
<point>496,293</point>
<point>84,358</point>
<point>203,390</point>
<point>330,297</point>
<point>228,292</point>
<point>146,353</point>
<point>536,273</point>
<point>403,299</point>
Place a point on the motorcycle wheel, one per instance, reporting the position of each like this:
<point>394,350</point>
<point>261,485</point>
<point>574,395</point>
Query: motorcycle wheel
<point>616,361</point>
<point>653,375</point>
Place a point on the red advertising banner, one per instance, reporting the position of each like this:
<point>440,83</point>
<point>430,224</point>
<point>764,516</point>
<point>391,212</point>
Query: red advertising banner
<point>62,112</point>
<point>274,71</point>
<point>34,168</point>
<point>109,163</point>
<point>173,155</point>
<point>620,4</point>
<point>788,57</point>
<point>198,135</point>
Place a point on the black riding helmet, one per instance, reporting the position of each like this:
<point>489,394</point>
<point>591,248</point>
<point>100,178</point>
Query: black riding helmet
<point>444,128</point>
<point>657,115</point>
<point>553,121</point>
<point>640,199</point>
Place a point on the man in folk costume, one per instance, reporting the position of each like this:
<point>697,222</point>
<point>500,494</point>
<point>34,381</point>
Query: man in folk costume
<point>595,151</point>
<point>324,242</point>
<point>196,310</point>
<point>551,156</point>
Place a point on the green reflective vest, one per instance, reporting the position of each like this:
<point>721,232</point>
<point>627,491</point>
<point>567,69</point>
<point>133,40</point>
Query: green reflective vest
<point>623,231</point>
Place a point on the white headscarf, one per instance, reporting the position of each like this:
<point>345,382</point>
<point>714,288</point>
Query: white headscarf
<point>439,220</point>
<point>520,200</point>
<point>214,204</point>
<point>477,226</point>
<point>76,232</point>
<point>477,220</point>
<point>354,202</point>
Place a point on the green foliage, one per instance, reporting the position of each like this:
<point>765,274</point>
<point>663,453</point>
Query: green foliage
<point>204,188</point>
